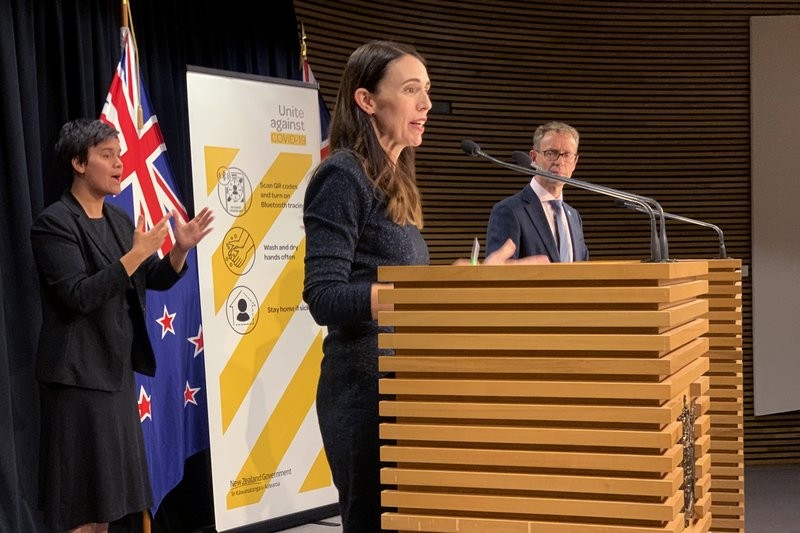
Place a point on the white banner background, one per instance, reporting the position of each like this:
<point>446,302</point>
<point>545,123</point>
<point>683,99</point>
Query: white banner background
<point>254,142</point>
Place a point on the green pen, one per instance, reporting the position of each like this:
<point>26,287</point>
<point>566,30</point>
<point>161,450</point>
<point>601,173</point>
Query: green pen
<point>476,249</point>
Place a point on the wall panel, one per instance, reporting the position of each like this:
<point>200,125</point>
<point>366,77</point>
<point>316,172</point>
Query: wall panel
<point>659,91</point>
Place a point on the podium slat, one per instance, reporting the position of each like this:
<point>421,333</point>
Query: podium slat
<point>531,505</point>
<point>663,342</point>
<point>461,524</point>
<point>494,364</point>
<point>659,440</point>
<point>542,295</point>
<point>616,462</point>
<point>661,318</point>
<point>590,271</point>
<point>660,487</point>
<point>661,415</point>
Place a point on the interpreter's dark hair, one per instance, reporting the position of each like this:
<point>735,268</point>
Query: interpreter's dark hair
<point>351,129</point>
<point>77,136</point>
<point>558,127</point>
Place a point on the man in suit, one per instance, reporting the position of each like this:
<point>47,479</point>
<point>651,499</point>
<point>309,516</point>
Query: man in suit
<point>537,219</point>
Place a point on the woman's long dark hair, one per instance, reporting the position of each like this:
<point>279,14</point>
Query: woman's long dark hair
<point>351,129</point>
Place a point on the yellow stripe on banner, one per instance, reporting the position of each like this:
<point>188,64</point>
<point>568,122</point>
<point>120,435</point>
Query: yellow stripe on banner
<point>260,469</point>
<point>282,178</point>
<point>320,475</point>
<point>217,157</point>
<point>249,356</point>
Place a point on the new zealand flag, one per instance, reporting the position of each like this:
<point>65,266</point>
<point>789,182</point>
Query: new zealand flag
<point>324,114</point>
<point>172,405</point>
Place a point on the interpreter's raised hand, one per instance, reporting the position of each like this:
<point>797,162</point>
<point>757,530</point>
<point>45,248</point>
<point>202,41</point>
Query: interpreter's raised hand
<point>505,256</point>
<point>146,243</point>
<point>188,234</point>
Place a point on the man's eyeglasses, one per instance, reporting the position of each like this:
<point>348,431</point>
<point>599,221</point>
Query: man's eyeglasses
<point>553,155</point>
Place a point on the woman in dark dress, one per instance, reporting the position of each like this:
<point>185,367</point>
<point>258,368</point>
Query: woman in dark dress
<point>363,210</point>
<point>94,267</point>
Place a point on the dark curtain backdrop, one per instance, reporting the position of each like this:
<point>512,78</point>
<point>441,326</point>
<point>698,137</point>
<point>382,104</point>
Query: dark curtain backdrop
<point>57,58</point>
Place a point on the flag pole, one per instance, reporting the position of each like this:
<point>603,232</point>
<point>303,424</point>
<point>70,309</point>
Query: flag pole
<point>308,77</point>
<point>303,48</point>
<point>144,149</point>
<point>127,22</point>
<point>124,17</point>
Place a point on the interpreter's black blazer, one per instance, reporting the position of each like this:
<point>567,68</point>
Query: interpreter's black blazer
<point>86,324</point>
<point>521,218</point>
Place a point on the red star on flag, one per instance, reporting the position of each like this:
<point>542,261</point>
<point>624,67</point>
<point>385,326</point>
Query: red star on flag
<point>197,341</point>
<point>166,322</point>
<point>188,394</point>
<point>144,406</point>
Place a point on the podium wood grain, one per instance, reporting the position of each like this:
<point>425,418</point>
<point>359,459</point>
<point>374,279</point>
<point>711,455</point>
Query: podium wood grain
<point>547,397</point>
<point>726,392</point>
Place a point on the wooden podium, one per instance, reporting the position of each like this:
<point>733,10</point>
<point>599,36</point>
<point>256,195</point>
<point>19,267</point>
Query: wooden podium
<point>546,398</point>
<point>726,393</point>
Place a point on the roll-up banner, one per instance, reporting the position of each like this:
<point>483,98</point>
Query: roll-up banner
<point>254,143</point>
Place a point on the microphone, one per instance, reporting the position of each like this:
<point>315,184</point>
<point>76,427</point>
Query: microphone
<point>521,158</point>
<point>471,147</point>
<point>658,247</point>
<point>722,253</point>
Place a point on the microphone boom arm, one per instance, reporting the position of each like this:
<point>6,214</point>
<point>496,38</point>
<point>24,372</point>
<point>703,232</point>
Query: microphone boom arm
<point>658,247</point>
<point>645,203</point>
<point>722,252</point>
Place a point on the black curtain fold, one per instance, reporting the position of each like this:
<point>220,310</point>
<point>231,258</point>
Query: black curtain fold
<point>57,59</point>
<point>19,311</point>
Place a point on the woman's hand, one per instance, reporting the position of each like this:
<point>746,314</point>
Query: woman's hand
<point>189,234</point>
<point>373,299</point>
<point>505,256</point>
<point>145,243</point>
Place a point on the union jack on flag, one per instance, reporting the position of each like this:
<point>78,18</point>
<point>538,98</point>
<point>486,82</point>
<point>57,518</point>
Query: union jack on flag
<point>172,405</point>
<point>324,114</point>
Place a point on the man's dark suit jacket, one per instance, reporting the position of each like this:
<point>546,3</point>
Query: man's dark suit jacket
<point>84,300</point>
<point>521,218</point>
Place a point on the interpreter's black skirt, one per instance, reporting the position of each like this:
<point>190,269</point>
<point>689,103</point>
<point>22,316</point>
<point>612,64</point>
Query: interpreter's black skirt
<point>92,460</point>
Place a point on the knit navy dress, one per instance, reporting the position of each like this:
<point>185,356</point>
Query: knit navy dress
<point>348,235</point>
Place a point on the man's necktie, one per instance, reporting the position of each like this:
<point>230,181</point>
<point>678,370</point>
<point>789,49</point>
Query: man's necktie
<point>561,232</point>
